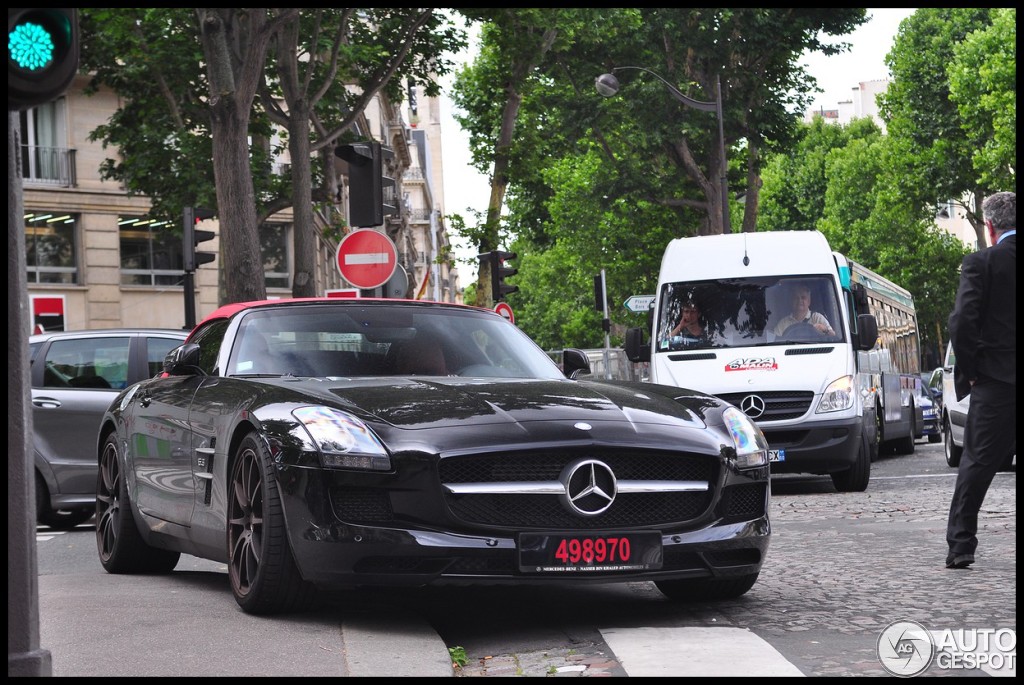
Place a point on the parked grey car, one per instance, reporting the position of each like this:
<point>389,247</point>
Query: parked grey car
<point>75,375</point>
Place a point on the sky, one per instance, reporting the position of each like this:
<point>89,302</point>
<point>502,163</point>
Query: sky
<point>837,76</point>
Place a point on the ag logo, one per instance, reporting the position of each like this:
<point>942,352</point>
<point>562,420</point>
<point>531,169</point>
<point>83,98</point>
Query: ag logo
<point>905,649</point>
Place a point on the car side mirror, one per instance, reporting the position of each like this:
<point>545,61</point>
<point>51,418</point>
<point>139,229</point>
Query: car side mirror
<point>575,362</point>
<point>183,360</point>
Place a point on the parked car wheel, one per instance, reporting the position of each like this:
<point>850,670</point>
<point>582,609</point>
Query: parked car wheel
<point>953,453</point>
<point>700,589</point>
<point>120,545</point>
<point>935,437</point>
<point>264,578</point>
<point>58,519</point>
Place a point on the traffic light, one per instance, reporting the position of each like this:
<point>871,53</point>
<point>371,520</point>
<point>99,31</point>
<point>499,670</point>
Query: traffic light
<point>499,272</point>
<point>366,182</point>
<point>192,236</point>
<point>42,55</point>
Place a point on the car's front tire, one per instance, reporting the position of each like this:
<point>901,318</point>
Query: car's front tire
<point>953,453</point>
<point>118,541</point>
<point>702,589</point>
<point>264,578</point>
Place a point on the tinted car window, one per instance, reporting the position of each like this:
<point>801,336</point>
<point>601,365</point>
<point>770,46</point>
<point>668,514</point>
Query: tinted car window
<point>87,363</point>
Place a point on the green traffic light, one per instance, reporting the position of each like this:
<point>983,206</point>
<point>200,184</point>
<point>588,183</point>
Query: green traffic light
<point>30,46</point>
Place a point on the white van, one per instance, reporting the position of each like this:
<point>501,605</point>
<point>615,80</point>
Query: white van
<point>798,380</point>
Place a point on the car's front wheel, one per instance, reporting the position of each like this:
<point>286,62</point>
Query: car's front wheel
<point>701,589</point>
<point>118,541</point>
<point>857,477</point>
<point>264,578</point>
<point>953,453</point>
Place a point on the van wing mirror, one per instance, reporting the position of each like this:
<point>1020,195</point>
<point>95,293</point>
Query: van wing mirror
<point>867,331</point>
<point>636,349</point>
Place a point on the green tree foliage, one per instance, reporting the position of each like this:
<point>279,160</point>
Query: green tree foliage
<point>983,85</point>
<point>842,181</point>
<point>188,81</point>
<point>936,148</point>
<point>657,168</point>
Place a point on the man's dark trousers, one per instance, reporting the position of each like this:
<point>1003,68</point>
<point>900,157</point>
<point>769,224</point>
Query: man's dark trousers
<point>990,439</point>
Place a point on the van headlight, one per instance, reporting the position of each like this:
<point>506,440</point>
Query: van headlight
<point>748,440</point>
<point>837,396</point>
<point>343,440</point>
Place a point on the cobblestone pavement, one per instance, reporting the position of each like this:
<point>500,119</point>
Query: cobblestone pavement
<point>840,568</point>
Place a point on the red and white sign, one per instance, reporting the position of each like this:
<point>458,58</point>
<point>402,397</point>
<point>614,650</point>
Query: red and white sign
<point>367,258</point>
<point>48,312</point>
<point>505,310</point>
<point>343,292</point>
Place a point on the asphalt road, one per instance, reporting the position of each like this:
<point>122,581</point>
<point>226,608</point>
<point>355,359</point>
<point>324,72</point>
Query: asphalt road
<point>840,568</point>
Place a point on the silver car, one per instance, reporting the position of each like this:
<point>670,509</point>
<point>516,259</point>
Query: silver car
<point>75,375</point>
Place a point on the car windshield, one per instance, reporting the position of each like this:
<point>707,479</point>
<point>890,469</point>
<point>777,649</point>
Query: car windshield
<point>744,312</point>
<point>374,339</point>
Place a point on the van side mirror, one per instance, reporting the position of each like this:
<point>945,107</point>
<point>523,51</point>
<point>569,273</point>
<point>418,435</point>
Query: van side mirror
<point>867,331</point>
<point>636,349</point>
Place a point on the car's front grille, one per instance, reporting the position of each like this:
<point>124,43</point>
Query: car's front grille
<point>535,511</point>
<point>779,405</point>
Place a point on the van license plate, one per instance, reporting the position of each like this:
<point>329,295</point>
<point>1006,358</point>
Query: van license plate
<point>776,455</point>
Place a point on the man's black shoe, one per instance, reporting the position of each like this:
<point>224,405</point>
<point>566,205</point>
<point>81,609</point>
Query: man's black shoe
<point>961,561</point>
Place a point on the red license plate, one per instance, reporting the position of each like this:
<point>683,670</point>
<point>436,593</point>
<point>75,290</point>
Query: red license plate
<point>586,552</point>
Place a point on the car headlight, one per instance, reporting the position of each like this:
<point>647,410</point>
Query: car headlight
<point>750,443</point>
<point>343,440</point>
<point>837,396</point>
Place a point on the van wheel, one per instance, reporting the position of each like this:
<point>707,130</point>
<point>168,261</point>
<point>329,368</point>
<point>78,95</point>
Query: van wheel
<point>855,478</point>
<point>953,453</point>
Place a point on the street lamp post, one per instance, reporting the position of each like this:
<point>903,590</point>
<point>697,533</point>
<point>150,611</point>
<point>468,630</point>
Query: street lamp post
<point>607,85</point>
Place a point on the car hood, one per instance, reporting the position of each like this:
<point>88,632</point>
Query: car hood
<point>414,403</point>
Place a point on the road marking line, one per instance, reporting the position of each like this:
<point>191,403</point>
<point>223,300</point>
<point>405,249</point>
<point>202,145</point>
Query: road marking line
<point>652,652</point>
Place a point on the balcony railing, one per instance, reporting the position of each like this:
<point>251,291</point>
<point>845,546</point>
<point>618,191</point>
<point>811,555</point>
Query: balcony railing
<point>48,165</point>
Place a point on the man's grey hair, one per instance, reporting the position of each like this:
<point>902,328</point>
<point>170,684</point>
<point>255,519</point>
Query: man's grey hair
<point>1001,210</point>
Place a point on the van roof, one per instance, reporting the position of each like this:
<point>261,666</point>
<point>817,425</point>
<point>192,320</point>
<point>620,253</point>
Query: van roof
<point>769,253</point>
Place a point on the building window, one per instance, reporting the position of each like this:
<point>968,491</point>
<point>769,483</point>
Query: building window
<point>44,154</point>
<point>150,252</point>
<point>275,242</point>
<point>50,247</point>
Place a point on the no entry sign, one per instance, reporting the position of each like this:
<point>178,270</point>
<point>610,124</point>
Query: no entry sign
<point>367,258</point>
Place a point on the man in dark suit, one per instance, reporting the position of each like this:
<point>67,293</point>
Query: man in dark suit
<point>983,332</point>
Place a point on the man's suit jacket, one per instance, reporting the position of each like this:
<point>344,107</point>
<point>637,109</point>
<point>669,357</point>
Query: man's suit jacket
<point>983,325</point>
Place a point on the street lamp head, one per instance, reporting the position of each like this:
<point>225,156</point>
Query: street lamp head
<point>607,85</point>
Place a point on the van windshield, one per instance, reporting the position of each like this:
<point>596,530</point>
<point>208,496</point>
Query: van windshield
<point>744,312</point>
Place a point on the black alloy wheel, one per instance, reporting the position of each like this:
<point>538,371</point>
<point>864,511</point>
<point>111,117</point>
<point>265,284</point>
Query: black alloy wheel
<point>263,575</point>
<point>118,541</point>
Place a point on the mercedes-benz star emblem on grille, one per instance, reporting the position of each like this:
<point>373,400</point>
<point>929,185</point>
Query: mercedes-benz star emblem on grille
<point>590,487</point>
<point>752,406</point>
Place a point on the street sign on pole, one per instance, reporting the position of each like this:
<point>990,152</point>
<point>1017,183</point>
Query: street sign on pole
<point>367,258</point>
<point>505,310</point>
<point>639,304</point>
